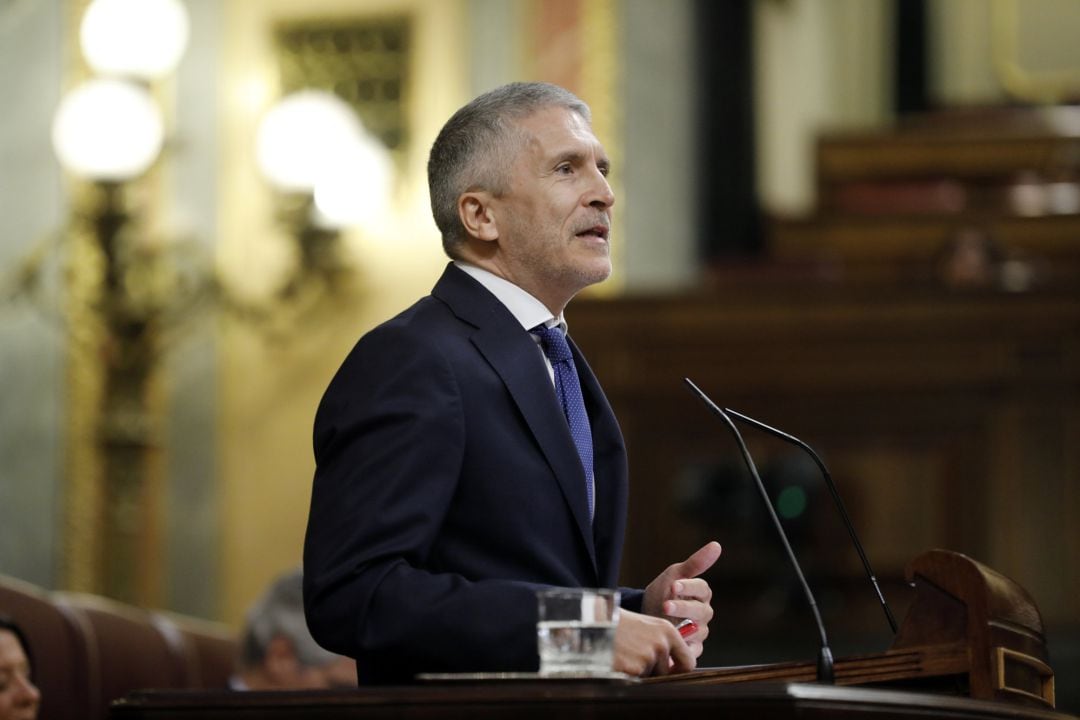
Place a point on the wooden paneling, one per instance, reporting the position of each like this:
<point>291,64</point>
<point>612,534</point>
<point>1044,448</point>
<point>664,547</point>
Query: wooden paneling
<point>997,188</point>
<point>947,420</point>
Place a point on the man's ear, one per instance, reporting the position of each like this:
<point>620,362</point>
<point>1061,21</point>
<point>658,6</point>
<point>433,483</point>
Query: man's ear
<point>477,215</point>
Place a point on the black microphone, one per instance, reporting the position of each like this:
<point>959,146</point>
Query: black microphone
<point>825,673</point>
<point>836,499</point>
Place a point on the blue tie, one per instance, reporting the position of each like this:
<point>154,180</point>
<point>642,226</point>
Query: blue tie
<point>568,390</point>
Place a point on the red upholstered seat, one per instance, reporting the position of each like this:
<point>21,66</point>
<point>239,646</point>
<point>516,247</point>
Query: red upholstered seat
<point>89,651</point>
<point>61,656</point>
<point>214,650</point>
<point>131,648</point>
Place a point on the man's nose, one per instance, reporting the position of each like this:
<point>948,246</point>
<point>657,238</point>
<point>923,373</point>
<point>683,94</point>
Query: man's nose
<point>600,194</point>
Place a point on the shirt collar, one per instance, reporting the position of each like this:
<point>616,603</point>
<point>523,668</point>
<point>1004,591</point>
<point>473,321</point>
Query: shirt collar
<point>525,308</point>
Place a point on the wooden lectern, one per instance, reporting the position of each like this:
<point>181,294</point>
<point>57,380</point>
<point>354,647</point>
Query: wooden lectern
<point>971,646</point>
<point>969,630</point>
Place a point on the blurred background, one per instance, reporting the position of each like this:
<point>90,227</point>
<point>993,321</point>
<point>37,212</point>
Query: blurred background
<point>857,220</point>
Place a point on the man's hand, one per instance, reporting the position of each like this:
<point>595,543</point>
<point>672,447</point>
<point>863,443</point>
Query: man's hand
<point>678,592</point>
<point>650,646</point>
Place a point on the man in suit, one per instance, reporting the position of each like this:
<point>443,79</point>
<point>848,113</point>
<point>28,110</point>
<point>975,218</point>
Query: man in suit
<point>456,472</point>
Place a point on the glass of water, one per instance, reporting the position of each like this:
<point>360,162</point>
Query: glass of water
<point>576,631</point>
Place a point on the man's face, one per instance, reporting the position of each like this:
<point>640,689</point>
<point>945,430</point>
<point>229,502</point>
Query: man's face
<point>554,221</point>
<point>18,697</point>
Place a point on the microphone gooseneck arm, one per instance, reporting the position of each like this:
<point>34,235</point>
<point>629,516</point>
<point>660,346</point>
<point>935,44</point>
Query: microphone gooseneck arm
<point>825,674</point>
<point>836,499</point>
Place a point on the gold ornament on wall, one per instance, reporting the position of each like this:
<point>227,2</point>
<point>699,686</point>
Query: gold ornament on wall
<point>1036,69</point>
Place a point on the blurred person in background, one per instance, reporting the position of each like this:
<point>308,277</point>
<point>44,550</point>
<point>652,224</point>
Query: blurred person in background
<point>19,697</point>
<point>277,651</point>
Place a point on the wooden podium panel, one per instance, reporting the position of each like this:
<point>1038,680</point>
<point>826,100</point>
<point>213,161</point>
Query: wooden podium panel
<point>524,700</point>
<point>971,646</point>
<point>970,630</point>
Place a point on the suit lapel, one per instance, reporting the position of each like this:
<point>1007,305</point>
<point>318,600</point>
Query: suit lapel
<point>512,353</point>
<point>609,464</point>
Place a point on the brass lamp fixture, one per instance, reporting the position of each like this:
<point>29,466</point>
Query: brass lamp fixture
<point>329,174</point>
<point>107,133</point>
<point>129,290</point>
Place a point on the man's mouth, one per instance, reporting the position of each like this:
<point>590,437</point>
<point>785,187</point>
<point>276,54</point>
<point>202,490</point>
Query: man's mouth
<point>596,231</point>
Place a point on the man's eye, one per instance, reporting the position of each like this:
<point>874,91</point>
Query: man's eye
<point>564,169</point>
<point>604,170</point>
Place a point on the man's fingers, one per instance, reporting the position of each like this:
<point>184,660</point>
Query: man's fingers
<point>679,581</point>
<point>683,658</point>
<point>691,589</point>
<point>646,645</point>
<point>699,612</point>
<point>699,562</point>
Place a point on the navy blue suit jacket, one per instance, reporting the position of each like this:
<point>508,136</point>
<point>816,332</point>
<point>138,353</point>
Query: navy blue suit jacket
<point>448,489</point>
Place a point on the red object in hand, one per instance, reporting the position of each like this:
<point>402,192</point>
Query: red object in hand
<point>687,627</point>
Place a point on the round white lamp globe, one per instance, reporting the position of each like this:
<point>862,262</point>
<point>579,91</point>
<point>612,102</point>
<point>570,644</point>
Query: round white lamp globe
<point>303,134</point>
<point>355,189</point>
<point>134,38</point>
<point>108,130</point>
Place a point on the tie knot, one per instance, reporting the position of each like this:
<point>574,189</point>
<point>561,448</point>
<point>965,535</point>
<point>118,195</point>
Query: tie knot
<point>553,342</point>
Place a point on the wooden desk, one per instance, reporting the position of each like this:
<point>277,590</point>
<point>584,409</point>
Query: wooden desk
<point>568,700</point>
<point>965,616</point>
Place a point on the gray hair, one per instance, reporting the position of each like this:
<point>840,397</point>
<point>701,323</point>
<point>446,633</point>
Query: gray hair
<point>280,612</point>
<point>477,146</point>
